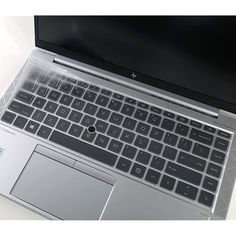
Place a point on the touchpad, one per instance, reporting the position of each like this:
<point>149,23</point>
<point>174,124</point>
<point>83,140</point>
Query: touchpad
<point>62,191</point>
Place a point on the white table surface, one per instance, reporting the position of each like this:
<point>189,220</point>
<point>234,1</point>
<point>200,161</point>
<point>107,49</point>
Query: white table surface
<point>16,43</point>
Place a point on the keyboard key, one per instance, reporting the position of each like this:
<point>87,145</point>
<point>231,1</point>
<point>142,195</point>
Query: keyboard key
<point>186,190</point>
<point>157,163</point>
<point>8,117</point>
<point>82,84</point>
<point>50,120</point>
<point>102,100</point>
<point>221,144</point>
<point>191,161</point>
<point>129,151</point>
<point>214,170</point>
<point>63,125</point>
<point>209,129</point>
<point>114,131</point>
<point>75,130</point>
<point>140,114</point>
<point>54,83</point>
<point>103,113</point>
<point>43,78</point>
<point>156,134</point>
<point>90,109</point>
<point>185,144</point>
<point>39,115</point>
<point>54,95</point>
<point>32,127</point>
<point>78,104</point>
<point>42,91</point>
<point>183,173</point>
<point>29,86</point>
<point>195,124</point>
<point>138,170</point>
<point>130,100</point>
<point>89,96</point>
<point>20,122</point>
<point>129,123</point>
<point>217,157</point>
<point>87,136</point>
<point>143,128</point>
<point>88,121</point>
<point>154,119</point>
<point>114,105</point>
<point>210,183</point>
<point>84,148</point>
<point>106,92</point>
<point>182,119</point>
<point>71,80</point>
<point>21,109</point>
<point>181,129</point>
<point>206,198</point>
<point>75,116</point>
<point>44,132</point>
<point>101,126</point>
<point>66,87</point>
<point>63,111</point>
<point>143,105</point>
<point>127,136</point>
<point>123,164</point>
<point>102,140</point>
<point>51,107</point>
<point>167,182</point>
<point>170,139</point>
<point>201,136</point>
<point>94,88</point>
<point>39,102</point>
<point>24,97</point>
<point>169,153</point>
<point>116,118</point>
<point>66,100</point>
<point>155,147</point>
<point>77,92</point>
<point>127,110</point>
<point>201,150</point>
<point>168,124</point>
<point>115,146</point>
<point>152,176</point>
<point>143,157</point>
<point>156,110</point>
<point>141,142</point>
<point>224,134</point>
<point>118,96</point>
<point>169,114</point>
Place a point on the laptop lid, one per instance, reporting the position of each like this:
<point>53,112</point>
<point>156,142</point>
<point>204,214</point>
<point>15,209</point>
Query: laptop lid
<point>193,56</point>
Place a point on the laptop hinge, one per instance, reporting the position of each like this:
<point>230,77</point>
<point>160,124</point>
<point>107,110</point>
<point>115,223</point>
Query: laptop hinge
<point>110,77</point>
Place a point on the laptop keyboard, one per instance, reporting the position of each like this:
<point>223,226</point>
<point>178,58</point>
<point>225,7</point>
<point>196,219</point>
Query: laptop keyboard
<point>156,146</point>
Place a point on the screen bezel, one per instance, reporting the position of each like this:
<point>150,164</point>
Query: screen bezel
<point>143,78</point>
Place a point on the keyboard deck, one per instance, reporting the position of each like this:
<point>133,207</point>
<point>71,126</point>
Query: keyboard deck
<point>170,152</point>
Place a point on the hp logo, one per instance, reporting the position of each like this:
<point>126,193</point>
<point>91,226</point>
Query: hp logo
<point>133,75</point>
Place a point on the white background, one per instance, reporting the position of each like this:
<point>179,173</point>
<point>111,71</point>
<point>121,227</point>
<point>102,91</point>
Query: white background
<point>16,43</point>
<point>75,7</point>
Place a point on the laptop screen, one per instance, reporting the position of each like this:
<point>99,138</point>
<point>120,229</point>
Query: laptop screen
<point>192,56</point>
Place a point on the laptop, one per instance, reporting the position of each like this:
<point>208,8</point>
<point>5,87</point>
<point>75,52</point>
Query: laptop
<point>123,118</point>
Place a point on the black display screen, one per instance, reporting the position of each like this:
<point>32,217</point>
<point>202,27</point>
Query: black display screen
<point>194,56</point>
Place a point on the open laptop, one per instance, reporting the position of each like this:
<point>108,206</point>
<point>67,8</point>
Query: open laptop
<point>123,118</point>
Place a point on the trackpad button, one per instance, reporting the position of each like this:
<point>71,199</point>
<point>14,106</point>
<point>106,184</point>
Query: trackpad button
<point>60,190</point>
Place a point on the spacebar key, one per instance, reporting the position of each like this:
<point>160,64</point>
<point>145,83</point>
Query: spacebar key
<point>83,148</point>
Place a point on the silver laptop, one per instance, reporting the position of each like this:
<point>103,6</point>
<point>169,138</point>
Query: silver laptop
<point>118,118</point>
